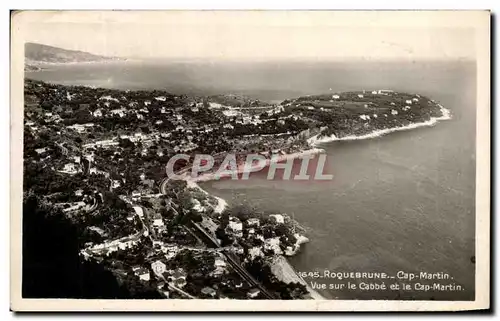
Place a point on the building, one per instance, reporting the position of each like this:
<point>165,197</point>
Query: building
<point>120,112</point>
<point>97,113</point>
<point>136,195</point>
<point>254,252</point>
<point>253,293</point>
<point>69,168</point>
<point>158,222</point>
<point>235,227</point>
<point>115,184</point>
<point>142,273</point>
<point>253,222</point>
<point>220,266</point>
<point>41,150</point>
<point>278,218</point>
<point>170,251</point>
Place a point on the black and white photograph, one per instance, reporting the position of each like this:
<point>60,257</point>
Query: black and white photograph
<point>218,160</point>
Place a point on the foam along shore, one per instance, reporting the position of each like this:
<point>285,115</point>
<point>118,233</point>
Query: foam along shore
<point>279,265</point>
<point>316,140</point>
<point>221,203</point>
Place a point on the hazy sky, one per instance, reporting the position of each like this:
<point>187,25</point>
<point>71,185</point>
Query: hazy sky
<point>258,35</point>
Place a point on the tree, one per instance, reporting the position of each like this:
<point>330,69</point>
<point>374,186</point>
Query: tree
<point>52,267</point>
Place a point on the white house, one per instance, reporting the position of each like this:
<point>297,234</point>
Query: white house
<point>230,113</point>
<point>41,150</point>
<point>109,98</point>
<point>214,105</point>
<point>253,222</point>
<point>254,252</point>
<point>144,276</point>
<point>120,112</point>
<point>253,293</point>
<point>235,226</point>
<point>278,218</point>
<point>158,222</point>
<point>335,96</point>
<point>69,168</point>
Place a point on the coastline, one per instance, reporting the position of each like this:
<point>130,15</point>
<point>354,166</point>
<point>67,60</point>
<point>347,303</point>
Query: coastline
<point>279,264</point>
<point>316,140</point>
<point>285,272</point>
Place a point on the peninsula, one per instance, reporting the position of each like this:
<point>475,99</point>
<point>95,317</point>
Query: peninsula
<point>95,159</point>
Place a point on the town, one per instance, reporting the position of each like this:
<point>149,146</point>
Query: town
<point>97,157</point>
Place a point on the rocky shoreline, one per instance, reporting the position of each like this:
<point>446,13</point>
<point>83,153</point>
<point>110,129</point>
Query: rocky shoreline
<point>109,149</point>
<point>280,266</point>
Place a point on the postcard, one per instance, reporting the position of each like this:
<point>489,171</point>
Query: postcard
<point>250,160</point>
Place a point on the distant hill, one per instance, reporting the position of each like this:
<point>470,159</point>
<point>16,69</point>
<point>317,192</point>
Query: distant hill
<point>35,53</point>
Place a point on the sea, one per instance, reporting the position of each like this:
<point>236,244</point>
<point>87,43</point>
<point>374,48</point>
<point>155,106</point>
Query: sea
<point>400,204</point>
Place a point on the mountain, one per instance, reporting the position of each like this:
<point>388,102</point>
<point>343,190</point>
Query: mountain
<point>35,53</point>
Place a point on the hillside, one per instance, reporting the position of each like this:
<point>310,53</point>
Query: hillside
<point>39,54</point>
